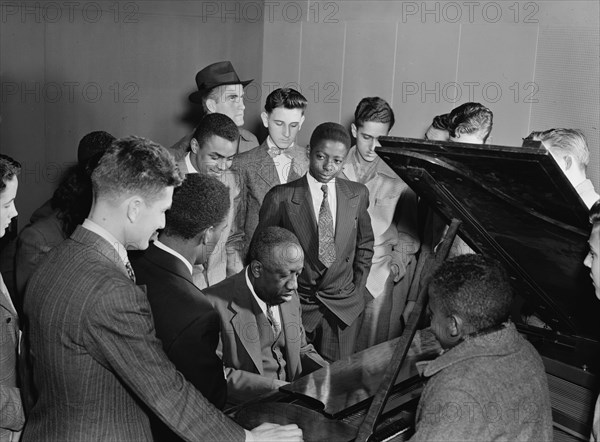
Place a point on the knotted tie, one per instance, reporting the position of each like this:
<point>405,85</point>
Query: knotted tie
<point>326,234</point>
<point>274,324</point>
<point>130,271</point>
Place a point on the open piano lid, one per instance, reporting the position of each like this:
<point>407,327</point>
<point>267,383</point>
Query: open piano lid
<point>516,205</point>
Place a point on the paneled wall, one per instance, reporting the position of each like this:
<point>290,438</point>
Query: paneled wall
<point>68,68</point>
<point>534,64</point>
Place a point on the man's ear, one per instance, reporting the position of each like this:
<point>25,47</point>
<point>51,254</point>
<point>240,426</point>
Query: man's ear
<point>265,119</point>
<point>456,328</point>
<point>134,205</point>
<point>353,130</point>
<point>301,122</point>
<point>568,161</point>
<point>256,268</point>
<point>194,146</point>
<point>211,105</point>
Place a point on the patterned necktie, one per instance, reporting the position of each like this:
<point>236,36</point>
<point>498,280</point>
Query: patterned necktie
<point>326,234</point>
<point>130,271</point>
<point>274,324</point>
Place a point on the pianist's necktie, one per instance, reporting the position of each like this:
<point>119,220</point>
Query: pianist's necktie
<point>130,271</point>
<point>326,234</point>
<point>274,324</point>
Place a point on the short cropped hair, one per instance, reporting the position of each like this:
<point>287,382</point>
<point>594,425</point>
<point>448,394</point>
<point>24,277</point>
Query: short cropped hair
<point>470,118</point>
<point>595,213</point>
<point>475,288</point>
<point>200,202</point>
<point>135,165</point>
<point>285,97</point>
<point>215,94</point>
<point>373,109</point>
<point>330,132</point>
<point>216,124</point>
<point>9,168</point>
<point>92,146</point>
<point>265,240</point>
<point>564,141</point>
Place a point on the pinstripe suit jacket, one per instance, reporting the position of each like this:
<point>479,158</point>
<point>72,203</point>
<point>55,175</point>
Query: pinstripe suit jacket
<point>260,175</point>
<point>97,363</point>
<point>12,416</point>
<point>341,288</point>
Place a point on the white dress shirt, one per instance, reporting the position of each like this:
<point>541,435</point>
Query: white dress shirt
<point>283,162</point>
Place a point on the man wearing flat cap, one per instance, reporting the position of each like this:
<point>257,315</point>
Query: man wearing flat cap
<point>220,90</point>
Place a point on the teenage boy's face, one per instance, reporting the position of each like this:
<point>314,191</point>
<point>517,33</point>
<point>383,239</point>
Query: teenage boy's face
<point>283,125</point>
<point>326,159</point>
<point>367,138</point>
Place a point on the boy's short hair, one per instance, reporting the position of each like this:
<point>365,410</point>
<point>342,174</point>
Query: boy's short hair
<point>287,98</point>
<point>330,132</point>
<point>216,124</point>
<point>470,118</point>
<point>135,165</point>
<point>475,288</point>
<point>564,141</point>
<point>200,202</point>
<point>373,109</point>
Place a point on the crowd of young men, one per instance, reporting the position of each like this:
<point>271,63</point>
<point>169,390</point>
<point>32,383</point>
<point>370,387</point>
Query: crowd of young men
<point>227,268</point>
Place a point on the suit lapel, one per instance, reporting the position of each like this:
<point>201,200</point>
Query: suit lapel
<point>347,203</point>
<point>302,217</point>
<point>266,170</point>
<point>244,322</point>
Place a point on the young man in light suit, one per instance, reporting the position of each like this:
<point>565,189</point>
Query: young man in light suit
<point>263,343</point>
<point>330,218</point>
<point>278,160</point>
<point>97,362</point>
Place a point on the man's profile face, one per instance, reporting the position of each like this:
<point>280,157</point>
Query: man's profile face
<point>326,160</point>
<point>367,138</point>
<point>231,102</point>
<point>278,279</point>
<point>283,125</point>
<point>151,217</point>
<point>592,260</point>
<point>212,241</point>
<point>215,156</point>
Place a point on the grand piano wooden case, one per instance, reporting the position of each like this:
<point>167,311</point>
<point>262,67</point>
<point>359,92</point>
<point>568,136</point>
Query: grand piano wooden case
<point>515,204</point>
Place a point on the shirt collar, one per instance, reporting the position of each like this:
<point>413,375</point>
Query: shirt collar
<point>176,254</point>
<point>262,304</point>
<point>312,181</point>
<point>188,164</point>
<point>101,231</point>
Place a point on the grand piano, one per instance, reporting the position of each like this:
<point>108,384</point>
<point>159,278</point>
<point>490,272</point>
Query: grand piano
<point>512,203</point>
